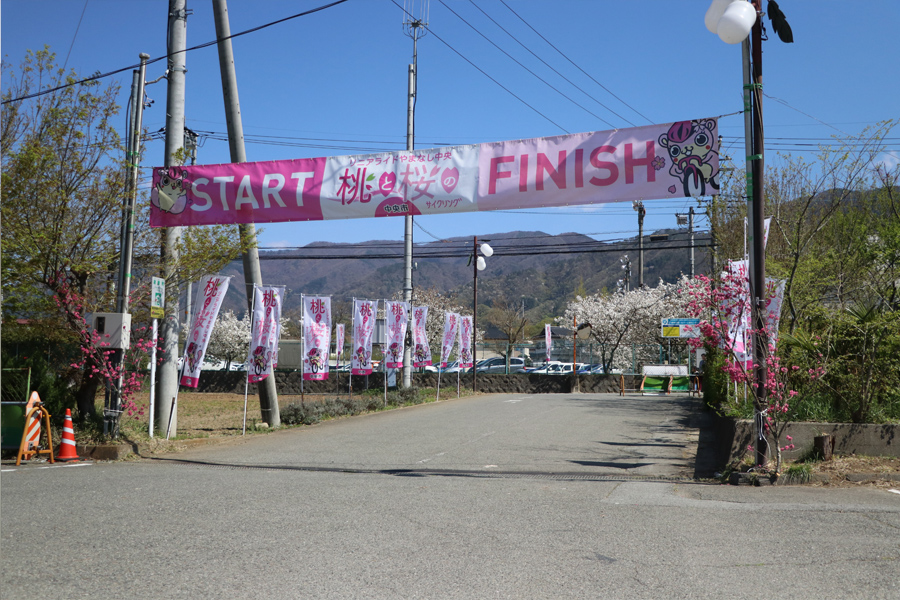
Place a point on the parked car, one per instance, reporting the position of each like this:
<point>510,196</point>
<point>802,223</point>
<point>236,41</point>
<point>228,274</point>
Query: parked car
<point>592,369</point>
<point>557,368</point>
<point>498,365</point>
<point>452,367</point>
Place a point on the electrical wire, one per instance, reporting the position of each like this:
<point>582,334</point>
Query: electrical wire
<point>483,72</point>
<point>535,75</point>
<point>159,58</point>
<point>561,53</point>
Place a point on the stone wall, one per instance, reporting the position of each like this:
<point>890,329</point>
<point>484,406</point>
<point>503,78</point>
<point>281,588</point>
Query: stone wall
<point>288,383</point>
<point>734,435</point>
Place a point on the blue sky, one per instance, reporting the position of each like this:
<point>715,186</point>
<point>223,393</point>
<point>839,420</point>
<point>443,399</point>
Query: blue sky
<point>335,83</point>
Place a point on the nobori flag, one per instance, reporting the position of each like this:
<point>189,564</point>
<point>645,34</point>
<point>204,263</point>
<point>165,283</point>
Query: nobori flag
<point>451,326</point>
<point>421,350</point>
<point>316,337</point>
<point>397,315</point>
<point>465,342</point>
<point>265,331</point>
<point>364,312</point>
<point>210,294</point>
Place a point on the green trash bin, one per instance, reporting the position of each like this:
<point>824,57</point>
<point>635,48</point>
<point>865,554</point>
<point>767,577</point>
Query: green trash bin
<point>12,424</point>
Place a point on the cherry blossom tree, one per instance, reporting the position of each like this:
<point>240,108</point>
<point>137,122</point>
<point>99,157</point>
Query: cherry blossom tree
<point>229,339</point>
<point>623,320</point>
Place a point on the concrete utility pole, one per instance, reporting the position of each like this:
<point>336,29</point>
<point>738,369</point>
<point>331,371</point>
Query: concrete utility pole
<point>268,395</point>
<point>126,240</point>
<point>691,233</point>
<point>415,28</point>
<point>167,384</point>
<point>641,211</point>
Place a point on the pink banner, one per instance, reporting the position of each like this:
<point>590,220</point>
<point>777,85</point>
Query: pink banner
<point>421,350</point>
<point>451,325</point>
<point>210,294</point>
<point>638,163</point>
<point>548,340</point>
<point>264,331</point>
<point>339,340</point>
<point>397,315</point>
<point>316,337</point>
<point>736,310</point>
<point>465,342</point>
<point>363,326</point>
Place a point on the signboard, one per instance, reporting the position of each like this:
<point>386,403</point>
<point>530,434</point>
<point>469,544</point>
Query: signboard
<point>670,160</point>
<point>158,298</point>
<point>681,328</point>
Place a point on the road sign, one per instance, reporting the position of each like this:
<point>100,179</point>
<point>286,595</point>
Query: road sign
<point>681,328</point>
<point>158,298</point>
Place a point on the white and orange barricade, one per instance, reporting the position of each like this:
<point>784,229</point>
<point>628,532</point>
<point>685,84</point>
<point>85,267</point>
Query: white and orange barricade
<point>35,413</point>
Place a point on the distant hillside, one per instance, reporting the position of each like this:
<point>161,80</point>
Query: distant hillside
<point>542,271</point>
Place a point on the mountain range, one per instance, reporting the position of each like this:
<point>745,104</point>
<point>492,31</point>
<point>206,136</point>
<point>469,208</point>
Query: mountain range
<point>541,271</point>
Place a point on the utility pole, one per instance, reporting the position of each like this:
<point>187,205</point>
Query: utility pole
<point>167,385</point>
<point>268,395</point>
<point>641,211</point>
<point>126,241</point>
<point>691,233</point>
<point>756,210</point>
<point>190,145</point>
<point>415,28</point>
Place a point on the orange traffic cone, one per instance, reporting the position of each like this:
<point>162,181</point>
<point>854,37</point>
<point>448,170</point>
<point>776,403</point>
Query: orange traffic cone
<point>67,447</point>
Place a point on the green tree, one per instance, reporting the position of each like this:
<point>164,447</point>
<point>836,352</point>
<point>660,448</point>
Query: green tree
<point>62,184</point>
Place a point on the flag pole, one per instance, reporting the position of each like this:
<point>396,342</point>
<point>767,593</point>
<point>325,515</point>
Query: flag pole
<point>249,357</point>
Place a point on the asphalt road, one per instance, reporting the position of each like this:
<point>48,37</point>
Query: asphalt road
<point>550,496</point>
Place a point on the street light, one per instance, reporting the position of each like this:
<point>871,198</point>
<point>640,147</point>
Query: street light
<point>480,265</point>
<point>737,20</point>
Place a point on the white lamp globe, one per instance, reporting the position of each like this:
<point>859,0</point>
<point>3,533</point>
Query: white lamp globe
<point>480,264</point>
<point>487,250</point>
<point>714,13</point>
<point>736,22</point>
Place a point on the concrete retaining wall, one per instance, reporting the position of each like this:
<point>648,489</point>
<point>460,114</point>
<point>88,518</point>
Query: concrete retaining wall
<point>734,435</point>
<point>288,383</point>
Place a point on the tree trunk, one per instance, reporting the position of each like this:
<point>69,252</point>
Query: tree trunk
<point>87,393</point>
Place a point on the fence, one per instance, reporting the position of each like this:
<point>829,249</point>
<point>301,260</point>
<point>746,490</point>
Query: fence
<point>15,385</point>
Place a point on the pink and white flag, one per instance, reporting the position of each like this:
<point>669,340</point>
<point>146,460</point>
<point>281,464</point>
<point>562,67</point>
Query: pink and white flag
<point>548,341</point>
<point>363,326</point>
<point>210,294</point>
<point>339,340</point>
<point>397,315</point>
<point>736,310</point>
<point>451,325</point>
<point>465,342</point>
<point>421,350</point>
<point>264,331</point>
<point>316,337</point>
<point>774,300</point>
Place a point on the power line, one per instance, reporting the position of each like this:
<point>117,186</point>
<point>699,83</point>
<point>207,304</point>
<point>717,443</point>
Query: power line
<point>569,81</point>
<point>561,53</point>
<point>150,62</point>
<point>464,253</point>
<point>482,71</point>
<point>535,75</point>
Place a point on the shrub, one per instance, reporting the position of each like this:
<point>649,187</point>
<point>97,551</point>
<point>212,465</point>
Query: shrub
<point>301,414</point>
